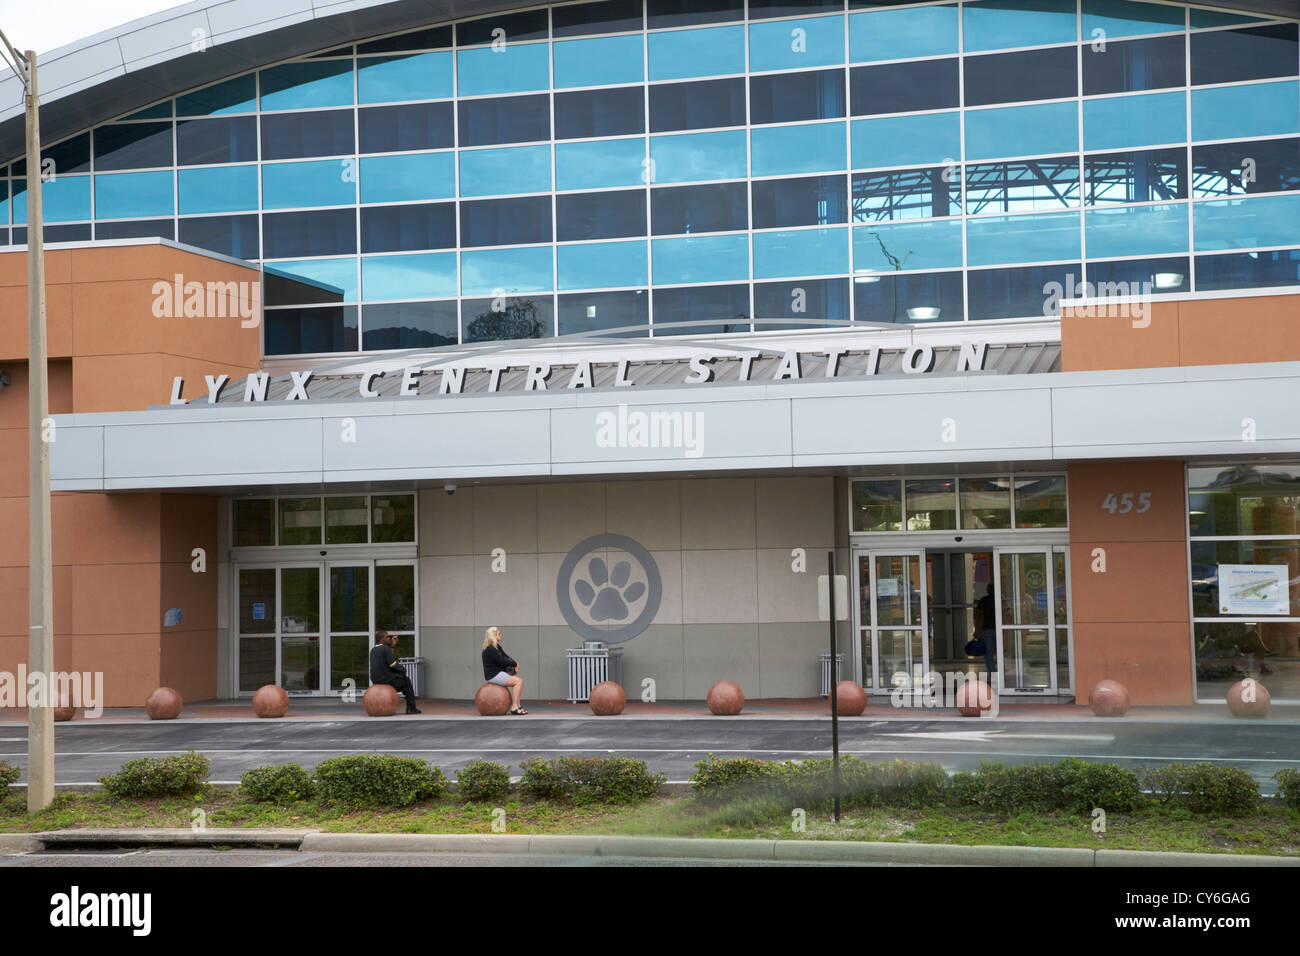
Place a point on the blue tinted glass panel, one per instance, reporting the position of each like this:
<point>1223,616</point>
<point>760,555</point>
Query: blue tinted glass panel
<point>289,185</point>
<point>801,252</point>
<point>902,34</point>
<point>809,201</point>
<point>389,79</point>
<point>1024,75</point>
<point>796,97</point>
<point>698,156</point>
<point>796,44</point>
<point>1134,276</point>
<point>1247,270</point>
<point>299,135</point>
<point>1136,176</point>
<point>703,104</point>
<point>700,259</point>
<point>426,276</point>
<point>229,235</point>
<point>67,198</point>
<point>496,172</point>
<point>408,227</point>
<point>218,189</point>
<point>524,220</point>
<point>1136,230</point>
<point>607,16</point>
<point>1260,221</point>
<point>685,13</point>
<point>518,317</point>
<point>389,129</point>
<point>1135,120</point>
<point>583,114</point>
<point>1234,56</point>
<point>514,68</point>
<point>483,271</point>
<point>1024,186</point>
<point>1019,293</point>
<point>1215,18</point>
<point>912,245</point>
<point>133,146</point>
<point>908,298</point>
<point>720,207</point>
<point>1003,24</point>
<point>1222,169</point>
<point>1126,66</point>
<point>615,162</point>
<point>800,303</point>
<point>712,51</point>
<point>531,25</point>
<point>504,119</point>
<point>302,235</point>
<point>700,310</point>
<point>295,86</point>
<point>1022,238</point>
<point>122,196</point>
<point>228,140</point>
<point>1233,112</point>
<point>321,280</point>
<point>904,87</point>
<point>1022,130</point>
<point>603,215</point>
<point>295,331</point>
<point>70,156</point>
<point>596,311</point>
<point>603,61</point>
<point>906,140</point>
<point>1124,18</point>
<point>408,178</point>
<point>602,265</point>
<point>410,325</point>
<point>783,150</point>
<point>924,193</point>
<point>433,38</point>
<point>768,9</point>
<point>233,96</point>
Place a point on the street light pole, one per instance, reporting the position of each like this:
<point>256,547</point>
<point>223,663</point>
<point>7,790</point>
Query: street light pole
<point>40,616</point>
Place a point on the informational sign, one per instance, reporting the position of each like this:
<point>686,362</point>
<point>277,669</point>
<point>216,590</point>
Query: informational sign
<point>1254,589</point>
<point>841,597</point>
<point>259,612</point>
<point>887,587</point>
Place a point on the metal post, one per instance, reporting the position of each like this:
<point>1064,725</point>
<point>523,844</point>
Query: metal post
<point>40,613</point>
<point>835,710</point>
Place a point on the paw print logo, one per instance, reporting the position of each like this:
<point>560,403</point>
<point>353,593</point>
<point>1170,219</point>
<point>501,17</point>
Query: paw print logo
<point>608,588</point>
<point>607,594</point>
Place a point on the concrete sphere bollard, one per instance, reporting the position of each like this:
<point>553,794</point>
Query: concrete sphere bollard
<point>726,699</point>
<point>380,700</point>
<point>973,697</point>
<point>163,704</point>
<point>492,700</point>
<point>607,699</point>
<point>64,709</point>
<point>1109,698</point>
<point>1249,698</point>
<point>270,701</point>
<point>851,698</point>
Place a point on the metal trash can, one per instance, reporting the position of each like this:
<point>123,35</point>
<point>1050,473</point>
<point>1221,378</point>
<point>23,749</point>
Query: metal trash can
<point>414,667</point>
<point>826,672</point>
<point>591,664</point>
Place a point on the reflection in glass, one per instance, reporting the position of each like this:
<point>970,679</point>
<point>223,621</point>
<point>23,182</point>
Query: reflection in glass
<point>907,194</point>
<point>931,504</point>
<point>346,521</point>
<point>254,522</point>
<point>350,598</point>
<point>516,317</point>
<point>395,597</point>
<point>257,600</point>
<point>299,521</point>
<point>985,503</point>
<point>393,517</point>
<point>1021,186</point>
<point>877,506</point>
<point>1040,502</point>
<point>1141,175</point>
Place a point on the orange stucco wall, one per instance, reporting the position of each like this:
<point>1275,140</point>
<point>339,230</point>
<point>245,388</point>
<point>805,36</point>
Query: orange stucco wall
<point>120,560</point>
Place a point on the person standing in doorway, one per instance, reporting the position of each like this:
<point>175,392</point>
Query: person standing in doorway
<point>385,669</point>
<point>986,631</point>
<point>502,669</point>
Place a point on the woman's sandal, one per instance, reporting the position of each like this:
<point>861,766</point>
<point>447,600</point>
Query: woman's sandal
<point>517,711</point>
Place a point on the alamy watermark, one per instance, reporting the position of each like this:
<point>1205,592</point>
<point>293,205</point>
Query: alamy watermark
<point>208,300</point>
<point>941,690</point>
<point>1123,300</point>
<point>81,689</point>
<point>624,429</point>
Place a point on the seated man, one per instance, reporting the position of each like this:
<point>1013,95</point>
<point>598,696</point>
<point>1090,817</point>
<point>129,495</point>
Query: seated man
<point>384,669</point>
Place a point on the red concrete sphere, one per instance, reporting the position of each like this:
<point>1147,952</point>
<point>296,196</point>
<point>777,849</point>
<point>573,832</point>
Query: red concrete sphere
<point>1109,698</point>
<point>973,697</point>
<point>851,698</point>
<point>1249,698</point>
<point>607,699</point>
<point>492,700</point>
<point>380,700</point>
<point>270,701</point>
<point>726,699</point>
<point>163,704</point>
<point>64,709</point>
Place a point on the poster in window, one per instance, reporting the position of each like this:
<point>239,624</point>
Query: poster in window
<point>1254,589</point>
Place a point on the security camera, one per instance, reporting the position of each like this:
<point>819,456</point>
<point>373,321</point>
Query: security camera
<point>450,487</point>
<point>957,538</point>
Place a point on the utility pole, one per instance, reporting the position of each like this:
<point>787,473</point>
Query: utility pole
<point>40,616</point>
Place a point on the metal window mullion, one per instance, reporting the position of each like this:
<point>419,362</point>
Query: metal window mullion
<point>356,211</point>
<point>961,164</point>
<point>1191,207</point>
<point>555,232</point>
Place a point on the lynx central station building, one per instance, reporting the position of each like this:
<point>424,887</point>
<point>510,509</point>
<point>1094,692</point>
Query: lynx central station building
<point>606,321</point>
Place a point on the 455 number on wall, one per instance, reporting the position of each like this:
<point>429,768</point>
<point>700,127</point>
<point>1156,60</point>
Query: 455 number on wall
<point>1127,502</point>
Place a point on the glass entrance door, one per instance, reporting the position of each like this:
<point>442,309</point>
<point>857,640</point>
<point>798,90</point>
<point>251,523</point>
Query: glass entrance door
<point>349,625</point>
<point>892,621</point>
<point>1032,622</point>
<point>300,629</point>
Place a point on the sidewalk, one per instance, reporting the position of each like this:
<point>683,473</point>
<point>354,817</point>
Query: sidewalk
<point>333,708</point>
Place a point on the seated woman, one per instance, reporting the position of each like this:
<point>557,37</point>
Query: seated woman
<point>500,668</point>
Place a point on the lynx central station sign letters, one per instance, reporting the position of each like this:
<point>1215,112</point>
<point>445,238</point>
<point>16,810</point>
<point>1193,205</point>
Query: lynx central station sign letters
<point>699,370</point>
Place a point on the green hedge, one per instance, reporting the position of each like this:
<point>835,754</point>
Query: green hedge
<point>586,780</point>
<point>483,781</point>
<point>1073,785</point>
<point>751,786</point>
<point>159,777</point>
<point>1288,787</point>
<point>1203,787</point>
<point>9,775</point>
<point>284,784</point>
<point>377,780</point>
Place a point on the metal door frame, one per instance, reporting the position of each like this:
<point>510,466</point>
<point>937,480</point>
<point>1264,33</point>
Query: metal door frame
<point>858,552</point>
<point>1048,553</point>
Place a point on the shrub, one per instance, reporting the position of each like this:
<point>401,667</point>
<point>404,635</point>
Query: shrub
<point>9,775</point>
<point>727,780</point>
<point>282,785</point>
<point>159,777</point>
<point>995,786</point>
<point>810,784</point>
<point>378,780</point>
<point>1204,787</point>
<point>585,780</point>
<point>1288,786</point>
<point>483,781</point>
<point>1107,785</point>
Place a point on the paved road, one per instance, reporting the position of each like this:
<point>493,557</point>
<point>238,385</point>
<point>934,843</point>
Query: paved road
<point>85,751</point>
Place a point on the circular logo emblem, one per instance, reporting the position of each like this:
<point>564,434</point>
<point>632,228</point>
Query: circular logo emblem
<point>608,588</point>
<point>1034,578</point>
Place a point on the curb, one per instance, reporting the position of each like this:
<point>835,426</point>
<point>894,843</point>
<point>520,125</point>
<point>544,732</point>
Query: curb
<point>810,851</point>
